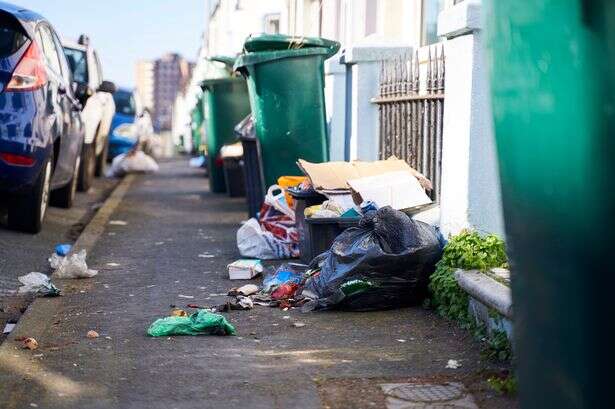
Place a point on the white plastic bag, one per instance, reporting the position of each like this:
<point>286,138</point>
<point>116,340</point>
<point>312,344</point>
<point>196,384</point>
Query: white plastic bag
<point>72,267</point>
<point>276,198</point>
<point>254,242</point>
<point>37,283</point>
<point>137,162</point>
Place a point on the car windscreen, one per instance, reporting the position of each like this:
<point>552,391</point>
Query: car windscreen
<point>124,103</point>
<point>12,36</point>
<point>78,62</point>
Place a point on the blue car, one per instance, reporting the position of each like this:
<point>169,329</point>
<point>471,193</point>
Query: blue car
<point>41,130</point>
<point>123,135</point>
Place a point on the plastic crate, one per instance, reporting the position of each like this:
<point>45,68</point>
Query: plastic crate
<point>304,199</point>
<point>320,234</point>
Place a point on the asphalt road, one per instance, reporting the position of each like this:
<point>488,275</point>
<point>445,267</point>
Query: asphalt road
<point>173,249</point>
<point>21,253</point>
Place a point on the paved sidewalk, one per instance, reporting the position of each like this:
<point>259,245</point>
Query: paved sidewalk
<point>337,360</point>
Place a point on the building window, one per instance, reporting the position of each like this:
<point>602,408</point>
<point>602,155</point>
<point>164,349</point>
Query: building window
<point>431,9</point>
<point>272,24</point>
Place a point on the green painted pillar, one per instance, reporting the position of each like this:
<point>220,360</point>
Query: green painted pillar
<point>552,82</point>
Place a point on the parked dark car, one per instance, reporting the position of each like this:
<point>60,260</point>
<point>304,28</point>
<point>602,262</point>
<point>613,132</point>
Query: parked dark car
<point>41,130</point>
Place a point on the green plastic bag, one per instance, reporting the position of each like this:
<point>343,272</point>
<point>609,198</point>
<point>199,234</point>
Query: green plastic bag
<point>202,322</point>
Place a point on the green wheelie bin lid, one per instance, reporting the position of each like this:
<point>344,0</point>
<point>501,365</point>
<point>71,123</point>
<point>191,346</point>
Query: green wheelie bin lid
<point>227,60</point>
<point>277,42</point>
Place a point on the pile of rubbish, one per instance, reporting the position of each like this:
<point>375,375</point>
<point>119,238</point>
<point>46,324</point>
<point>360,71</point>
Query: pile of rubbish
<point>333,191</point>
<point>383,263</point>
<point>64,265</point>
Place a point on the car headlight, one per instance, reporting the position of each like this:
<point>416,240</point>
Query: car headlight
<point>127,131</point>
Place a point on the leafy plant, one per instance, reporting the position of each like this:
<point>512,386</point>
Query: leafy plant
<point>497,346</point>
<point>504,385</point>
<point>468,251</point>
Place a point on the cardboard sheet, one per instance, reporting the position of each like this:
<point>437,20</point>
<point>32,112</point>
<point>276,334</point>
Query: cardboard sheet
<point>335,175</point>
<point>400,190</point>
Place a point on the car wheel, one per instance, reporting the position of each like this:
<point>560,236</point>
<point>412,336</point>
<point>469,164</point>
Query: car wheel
<point>65,196</point>
<point>27,210</point>
<point>101,160</point>
<point>87,168</point>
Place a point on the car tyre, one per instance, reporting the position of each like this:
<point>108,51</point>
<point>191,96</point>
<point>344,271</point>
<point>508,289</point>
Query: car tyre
<point>101,160</point>
<point>87,168</point>
<point>27,210</point>
<point>65,196</point>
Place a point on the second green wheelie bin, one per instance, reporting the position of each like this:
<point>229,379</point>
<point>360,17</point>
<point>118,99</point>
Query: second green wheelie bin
<point>285,78</point>
<point>226,104</point>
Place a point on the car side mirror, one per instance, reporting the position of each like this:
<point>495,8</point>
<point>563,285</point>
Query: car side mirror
<point>107,86</point>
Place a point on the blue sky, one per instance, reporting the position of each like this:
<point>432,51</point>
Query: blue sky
<point>124,31</point>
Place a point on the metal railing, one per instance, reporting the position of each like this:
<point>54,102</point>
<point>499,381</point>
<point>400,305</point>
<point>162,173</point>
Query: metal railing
<point>411,104</point>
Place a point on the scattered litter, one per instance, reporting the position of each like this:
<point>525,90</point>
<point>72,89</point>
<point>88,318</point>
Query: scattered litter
<point>298,324</point>
<point>198,162</point>
<point>37,356</point>
<point>286,317</point>
<point>71,267</point>
<point>39,284</point>
<point>206,255</point>
<point>113,264</point>
<point>132,162</point>
<point>118,223</point>
<point>159,243</point>
<point>8,328</point>
<point>176,312</point>
<point>401,340</point>
<point>244,269</point>
<point>289,273</point>
<point>385,263</point>
<point>245,302</point>
<point>92,334</point>
<point>189,297</point>
<point>30,343</point>
<point>453,364</point>
<point>63,249</point>
<point>284,291</point>
<point>239,303</point>
<point>245,290</point>
<point>201,322</point>
<point>109,338</point>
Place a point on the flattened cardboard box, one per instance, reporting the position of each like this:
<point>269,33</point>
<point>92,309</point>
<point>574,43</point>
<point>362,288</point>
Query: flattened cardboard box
<point>335,175</point>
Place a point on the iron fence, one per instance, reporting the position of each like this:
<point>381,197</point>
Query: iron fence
<point>411,104</point>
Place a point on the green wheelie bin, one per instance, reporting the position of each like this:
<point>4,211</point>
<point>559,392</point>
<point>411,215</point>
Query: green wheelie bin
<point>226,103</point>
<point>285,78</point>
<point>553,94</point>
<point>197,117</point>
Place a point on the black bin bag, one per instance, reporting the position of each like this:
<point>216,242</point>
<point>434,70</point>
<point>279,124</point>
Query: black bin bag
<point>382,264</point>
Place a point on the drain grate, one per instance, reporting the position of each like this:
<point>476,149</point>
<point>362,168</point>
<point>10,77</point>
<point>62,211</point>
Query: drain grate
<point>428,393</point>
<point>451,395</point>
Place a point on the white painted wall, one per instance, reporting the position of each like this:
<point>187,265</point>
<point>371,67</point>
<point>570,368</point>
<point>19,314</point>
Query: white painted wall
<point>470,196</point>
